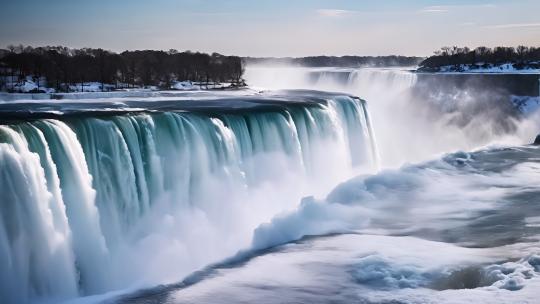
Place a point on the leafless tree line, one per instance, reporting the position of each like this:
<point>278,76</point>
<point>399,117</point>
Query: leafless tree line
<point>63,67</point>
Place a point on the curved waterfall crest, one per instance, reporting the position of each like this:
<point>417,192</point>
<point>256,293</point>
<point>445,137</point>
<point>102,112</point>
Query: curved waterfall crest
<point>82,193</point>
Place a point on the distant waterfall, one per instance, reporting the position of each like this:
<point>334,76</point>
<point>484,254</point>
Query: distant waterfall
<point>373,81</point>
<point>87,201</point>
<point>366,82</point>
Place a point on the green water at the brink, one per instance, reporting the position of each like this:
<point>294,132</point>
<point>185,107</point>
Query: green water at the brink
<point>88,197</point>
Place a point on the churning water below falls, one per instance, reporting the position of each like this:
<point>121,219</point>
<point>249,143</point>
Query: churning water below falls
<point>295,196</point>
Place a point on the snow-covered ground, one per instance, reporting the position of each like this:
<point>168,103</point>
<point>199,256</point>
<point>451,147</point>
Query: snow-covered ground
<point>120,96</point>
<point>27,90</point>
<point>184,85</point>
<point>31,85</point>
<point>507,68</point>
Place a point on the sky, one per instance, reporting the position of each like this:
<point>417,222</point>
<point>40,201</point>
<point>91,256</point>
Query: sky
<point>279,28</point>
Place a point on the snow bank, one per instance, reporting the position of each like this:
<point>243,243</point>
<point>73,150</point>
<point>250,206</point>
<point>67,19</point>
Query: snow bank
<point>185,85</point>
<point>194,86</point>
<point>29,85</point>
<point>506,68</point>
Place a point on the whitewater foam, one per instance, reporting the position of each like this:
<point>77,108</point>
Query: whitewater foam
<point>99,203</point>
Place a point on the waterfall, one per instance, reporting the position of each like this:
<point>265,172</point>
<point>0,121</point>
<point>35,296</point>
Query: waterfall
<point>421,115</point>
<point>368,83</point>
<point>375,81</point>
<point>93,204</point>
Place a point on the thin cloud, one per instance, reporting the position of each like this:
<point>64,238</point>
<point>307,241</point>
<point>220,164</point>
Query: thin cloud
<point>434,9</point>
<point>447,8</point>
<point>334,12</point>
<point>512,25</point>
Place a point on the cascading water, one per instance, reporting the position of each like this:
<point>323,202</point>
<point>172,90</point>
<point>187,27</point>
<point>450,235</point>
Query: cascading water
<point>371,82</point>
<point>416,116</point>
<point>93,204</point>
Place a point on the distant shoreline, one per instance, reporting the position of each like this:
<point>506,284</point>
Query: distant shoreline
<point>504,68</point>
<point>132,93</point>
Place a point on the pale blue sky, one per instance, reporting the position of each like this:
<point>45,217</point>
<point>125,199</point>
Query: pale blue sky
<point>272,27</point>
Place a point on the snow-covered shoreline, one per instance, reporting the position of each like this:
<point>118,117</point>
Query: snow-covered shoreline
<point>37,88</point>
<point>128,93</point>
<point>506,68</point>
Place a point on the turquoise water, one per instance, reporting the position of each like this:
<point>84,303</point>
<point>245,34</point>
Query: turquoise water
<point>99,196</point>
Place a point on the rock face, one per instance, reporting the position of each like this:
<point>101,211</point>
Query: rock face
<point>537,140</point>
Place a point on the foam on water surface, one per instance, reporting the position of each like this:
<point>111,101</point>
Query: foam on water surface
<point>95,201</point>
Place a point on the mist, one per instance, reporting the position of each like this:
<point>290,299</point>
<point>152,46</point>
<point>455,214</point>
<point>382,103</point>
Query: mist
<point>415,117</point>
